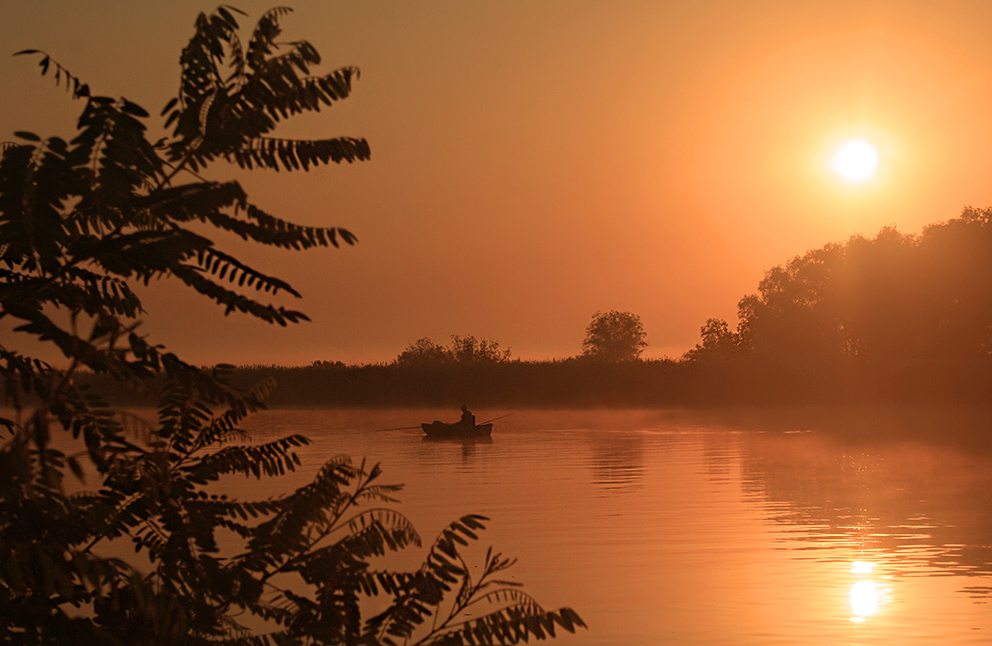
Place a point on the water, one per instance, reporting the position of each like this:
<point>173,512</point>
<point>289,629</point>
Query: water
<point>661,529</point>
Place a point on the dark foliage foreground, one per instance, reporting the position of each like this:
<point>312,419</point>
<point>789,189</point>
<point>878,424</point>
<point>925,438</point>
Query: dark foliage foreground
<point>109,530</point>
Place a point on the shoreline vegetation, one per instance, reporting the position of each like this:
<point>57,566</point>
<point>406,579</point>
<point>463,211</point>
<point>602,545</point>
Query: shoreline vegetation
<point>577,383</point>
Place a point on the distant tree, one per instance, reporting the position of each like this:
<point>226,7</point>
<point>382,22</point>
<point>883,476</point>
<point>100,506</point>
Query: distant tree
<point>80,223</point>
<point>860,298</point>
<point>614,337</point>
<point>462,351</point>
<point>717,342</point>
<point>328,365</point>
<point>424,352</point>
<point>887,301</point>
<point>954,269</point>
<point>471,350</point>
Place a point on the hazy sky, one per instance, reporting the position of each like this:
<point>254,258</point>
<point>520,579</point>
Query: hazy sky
<point>536,161</point>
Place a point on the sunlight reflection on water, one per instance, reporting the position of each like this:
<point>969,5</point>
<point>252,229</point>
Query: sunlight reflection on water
<point>864,599</point>
<point>864,592</point>
<point>661,530</point>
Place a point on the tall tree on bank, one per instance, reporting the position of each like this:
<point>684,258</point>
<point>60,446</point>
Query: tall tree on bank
<point>614,337</point>
<point>80,222</point>
<point>890,299</point>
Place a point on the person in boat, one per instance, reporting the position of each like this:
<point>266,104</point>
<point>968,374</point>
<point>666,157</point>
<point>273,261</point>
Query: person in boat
<point>468,419</point>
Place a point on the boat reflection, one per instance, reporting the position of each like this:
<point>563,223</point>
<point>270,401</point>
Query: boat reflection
<point>468,444</point>
<point>450,439</point>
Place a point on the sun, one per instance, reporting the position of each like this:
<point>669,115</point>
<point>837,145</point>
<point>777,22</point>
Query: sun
<point>855,161</point>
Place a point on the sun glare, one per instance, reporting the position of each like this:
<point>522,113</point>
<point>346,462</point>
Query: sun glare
<point>865,594</point>
<point>862,567</point>
<point>864,600</point>
<point>855,160</point>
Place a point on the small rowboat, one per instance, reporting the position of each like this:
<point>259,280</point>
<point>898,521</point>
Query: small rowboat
<point>440,429</point>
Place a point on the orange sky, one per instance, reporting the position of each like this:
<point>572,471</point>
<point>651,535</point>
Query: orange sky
<point>536,161</point>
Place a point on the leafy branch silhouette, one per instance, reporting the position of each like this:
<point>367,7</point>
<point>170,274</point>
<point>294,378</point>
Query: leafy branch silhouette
<point>81,223</point>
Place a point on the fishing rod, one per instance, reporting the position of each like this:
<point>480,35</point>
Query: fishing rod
<point>496,418</point>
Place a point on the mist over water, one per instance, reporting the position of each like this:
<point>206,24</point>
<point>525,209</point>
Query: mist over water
<point>667,528</point>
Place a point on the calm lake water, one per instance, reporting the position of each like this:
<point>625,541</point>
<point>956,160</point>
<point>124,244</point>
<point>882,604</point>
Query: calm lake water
<point>661,529</point>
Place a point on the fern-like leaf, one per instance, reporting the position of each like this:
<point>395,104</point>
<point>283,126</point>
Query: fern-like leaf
<point>63,77</point>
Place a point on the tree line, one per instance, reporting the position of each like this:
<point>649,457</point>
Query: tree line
<point>894,318</point>
<point>889,319</point>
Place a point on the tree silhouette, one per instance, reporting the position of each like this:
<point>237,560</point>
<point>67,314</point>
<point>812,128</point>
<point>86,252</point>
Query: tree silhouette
<point>469,350</point>
<point>614,337</point>
<point>880,299</point>
<point>463,350</point>
<point>81,222</point>
<point>424,352</point>
<point>717,342</point>
<point>894,315</point>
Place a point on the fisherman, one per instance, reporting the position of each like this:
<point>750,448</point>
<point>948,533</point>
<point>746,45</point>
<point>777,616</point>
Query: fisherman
<point>468,419</point>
